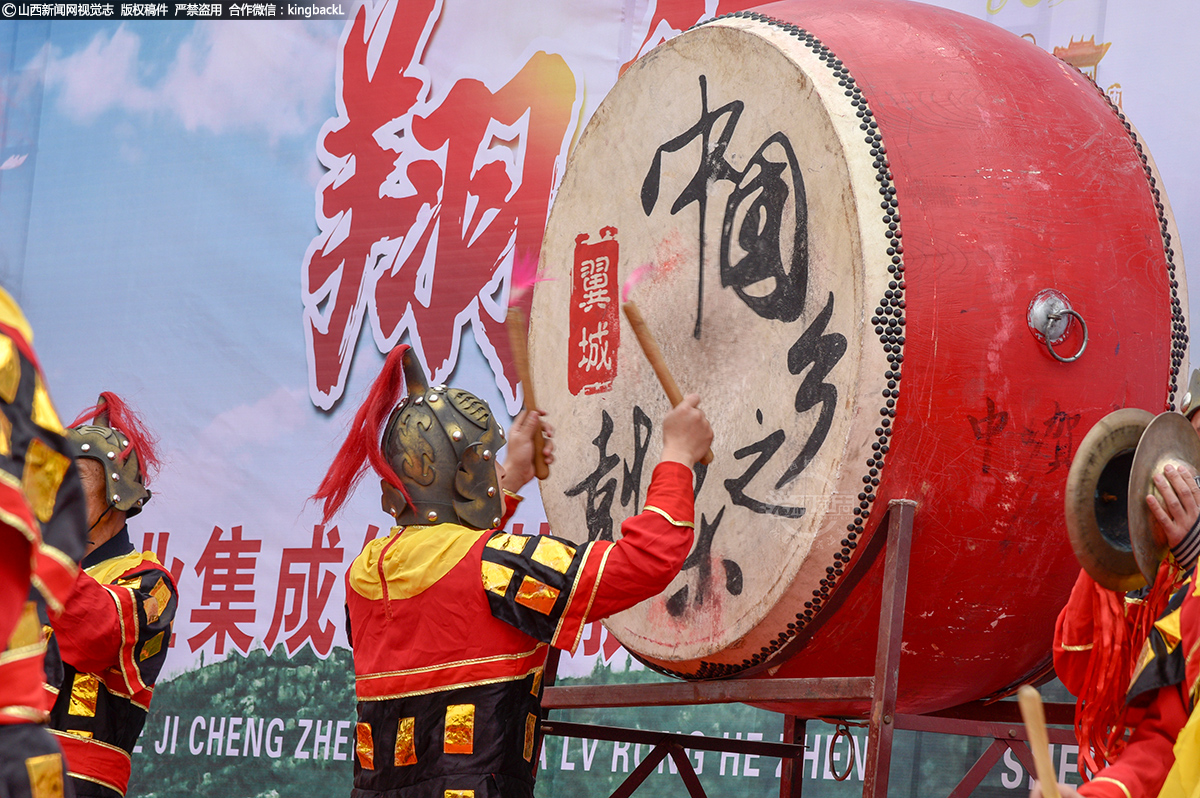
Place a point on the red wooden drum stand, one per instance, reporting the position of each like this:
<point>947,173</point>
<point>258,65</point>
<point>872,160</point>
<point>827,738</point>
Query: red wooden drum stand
<point>901,253</point>
<point>998,721</point>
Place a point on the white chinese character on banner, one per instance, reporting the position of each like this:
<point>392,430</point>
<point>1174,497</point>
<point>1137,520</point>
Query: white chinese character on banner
<point>595,283</point>
<point>594,349</point>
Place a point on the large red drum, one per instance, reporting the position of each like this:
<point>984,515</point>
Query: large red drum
<point>844,211</point>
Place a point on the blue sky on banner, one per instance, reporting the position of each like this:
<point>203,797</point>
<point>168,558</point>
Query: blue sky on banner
<point>157,194</point>
<point>171,174</point>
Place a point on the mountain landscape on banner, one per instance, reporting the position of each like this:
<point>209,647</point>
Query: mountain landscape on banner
<point>265,726</point>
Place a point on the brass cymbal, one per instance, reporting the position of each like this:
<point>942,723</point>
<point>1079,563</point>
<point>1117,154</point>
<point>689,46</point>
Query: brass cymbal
<point>1097,499</point>
<point>1168,440</point>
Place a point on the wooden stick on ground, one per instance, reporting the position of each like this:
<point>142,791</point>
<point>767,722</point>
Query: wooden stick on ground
<point>1035,727</point>
<point>517,339</point>
<point>654,355</point>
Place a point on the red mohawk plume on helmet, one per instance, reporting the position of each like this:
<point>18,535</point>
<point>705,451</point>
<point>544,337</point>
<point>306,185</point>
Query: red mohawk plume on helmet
<point>362,443</point>
<point>112,411</point>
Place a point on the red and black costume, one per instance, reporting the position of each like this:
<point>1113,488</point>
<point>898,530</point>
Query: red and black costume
<point>451,619</point>
<point>1162,688</point>
<point>115,626</point>
<point>449,676</point>
<point>41,539</point>
<point>113,635</point>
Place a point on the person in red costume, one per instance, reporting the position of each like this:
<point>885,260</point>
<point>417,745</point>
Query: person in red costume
<point>41,541</point>
<point>115,626</point>
<point>1161,757</point>
<point>451,618</point>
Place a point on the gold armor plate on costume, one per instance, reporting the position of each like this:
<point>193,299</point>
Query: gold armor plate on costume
<point>406,750</point>
<point>10,370</point>
<point>151,647</point>
<point>507,542</point>
<point>553,554</point>
<point>5,435</point>
<point>460,729</point>
<point>536,595</point>
<point>43,476</point>
<point>45,776</point>
<point>496,578</point>
<point>364,746</point>
<point>44,414</point>
<point>84,692</point>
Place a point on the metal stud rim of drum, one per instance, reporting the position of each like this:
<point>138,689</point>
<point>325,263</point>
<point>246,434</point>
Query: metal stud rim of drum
<point>1179,336</point>
<point>889,322</point>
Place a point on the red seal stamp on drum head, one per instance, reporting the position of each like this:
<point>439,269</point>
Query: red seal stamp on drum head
<point>595,325</point>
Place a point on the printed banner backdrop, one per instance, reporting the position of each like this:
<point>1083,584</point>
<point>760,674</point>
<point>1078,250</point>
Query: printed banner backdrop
<point>229,223</point>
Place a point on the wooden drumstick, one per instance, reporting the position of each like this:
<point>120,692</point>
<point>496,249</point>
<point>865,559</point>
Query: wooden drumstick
<point>1039,743</point>
<point>654,355</point>
<point>520,349</point>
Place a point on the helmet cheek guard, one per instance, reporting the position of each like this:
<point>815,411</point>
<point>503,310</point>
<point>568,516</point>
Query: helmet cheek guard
<point>480,505</point>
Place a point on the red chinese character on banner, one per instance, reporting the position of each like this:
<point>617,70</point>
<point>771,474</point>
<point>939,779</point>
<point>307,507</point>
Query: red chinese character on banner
<point>227,570</point>
<point>666,19</point>
<point>463,182</point>
<point>160,551</point>
<point>308,593</point>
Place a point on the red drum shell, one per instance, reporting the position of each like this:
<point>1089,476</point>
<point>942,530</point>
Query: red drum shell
<point>1013,174</point>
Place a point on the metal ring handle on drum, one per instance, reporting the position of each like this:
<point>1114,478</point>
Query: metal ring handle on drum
<point>1050,345</point>
<point>843,730</point>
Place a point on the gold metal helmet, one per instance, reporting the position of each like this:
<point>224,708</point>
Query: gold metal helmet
<point>119,441</point>
<point>441,442</point>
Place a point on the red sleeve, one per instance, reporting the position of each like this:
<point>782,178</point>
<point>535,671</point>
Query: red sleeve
<point>652,548</point>
<point>89,629</point>
<point>1073,636</point>
<point>1142,767</point>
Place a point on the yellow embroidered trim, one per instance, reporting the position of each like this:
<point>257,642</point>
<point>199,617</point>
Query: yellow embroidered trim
<point>456,664</point>
<point>667,516</point>
<point>442,689</point>
<point>1124,789</point>
<point>1087,647</point>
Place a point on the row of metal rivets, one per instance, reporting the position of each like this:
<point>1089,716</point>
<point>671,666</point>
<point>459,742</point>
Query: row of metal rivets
<point>889,322</point>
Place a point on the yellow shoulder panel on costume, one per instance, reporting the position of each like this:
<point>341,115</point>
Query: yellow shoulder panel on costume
<point>109,571</point>
<point>10,314</point>
<point>413,560</point>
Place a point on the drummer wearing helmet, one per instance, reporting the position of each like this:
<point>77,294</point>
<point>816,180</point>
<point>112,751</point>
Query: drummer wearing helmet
<point>115,626</point>
<point>1162,755</point>
<point>451,618</point>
